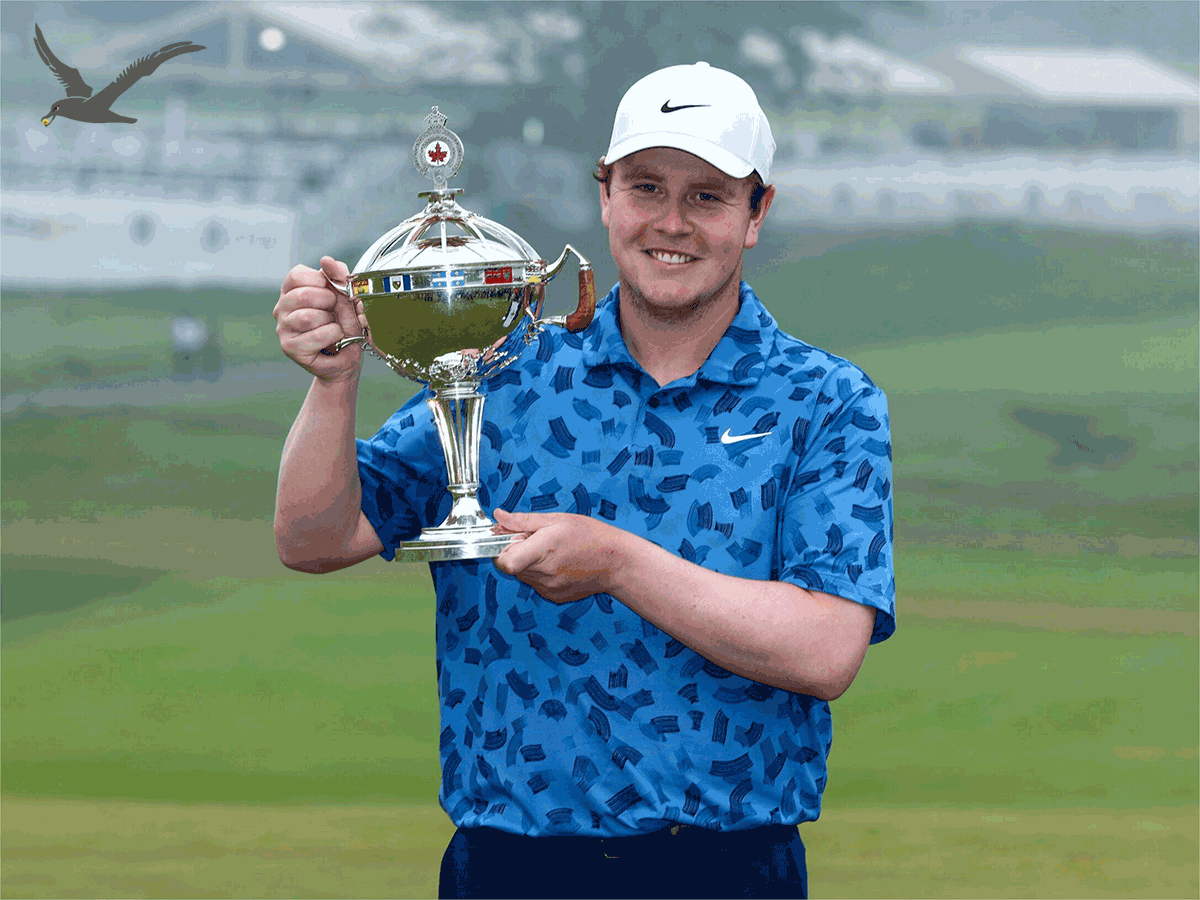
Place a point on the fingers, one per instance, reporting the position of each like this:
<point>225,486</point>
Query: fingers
<point>528,551</point>
<point>520,556</point>
<point>311,316</point>
<point>348,309</point>
<point>301,334</point>
<point>299,276</point>
<point>319,297</point>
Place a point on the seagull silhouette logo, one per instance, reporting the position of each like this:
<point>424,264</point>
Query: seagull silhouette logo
<point>79,104</point>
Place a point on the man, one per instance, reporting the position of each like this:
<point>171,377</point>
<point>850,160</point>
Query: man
<point>634,697</point>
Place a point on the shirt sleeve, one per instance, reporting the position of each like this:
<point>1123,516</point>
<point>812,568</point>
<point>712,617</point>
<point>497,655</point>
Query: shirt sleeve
<point>837,530</point>
<point>403,474</point>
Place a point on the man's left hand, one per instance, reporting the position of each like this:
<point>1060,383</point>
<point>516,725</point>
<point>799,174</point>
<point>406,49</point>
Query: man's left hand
<point>564,557</point>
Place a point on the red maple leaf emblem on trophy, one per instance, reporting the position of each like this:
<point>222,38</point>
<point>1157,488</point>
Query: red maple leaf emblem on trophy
<point>437,154</point>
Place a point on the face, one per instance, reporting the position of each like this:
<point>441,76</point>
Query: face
<point>677,227</point>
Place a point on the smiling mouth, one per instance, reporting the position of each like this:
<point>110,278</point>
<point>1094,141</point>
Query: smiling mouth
<point>671,259</point>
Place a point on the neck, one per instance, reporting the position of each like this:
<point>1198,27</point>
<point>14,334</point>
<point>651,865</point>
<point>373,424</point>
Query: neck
<point>673,343</point>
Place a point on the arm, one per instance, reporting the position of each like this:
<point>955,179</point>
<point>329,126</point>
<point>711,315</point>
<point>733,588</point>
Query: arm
<point>319,525</point>
<point>770,631</point>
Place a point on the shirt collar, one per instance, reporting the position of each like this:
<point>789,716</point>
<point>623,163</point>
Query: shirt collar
<point>738,359</point>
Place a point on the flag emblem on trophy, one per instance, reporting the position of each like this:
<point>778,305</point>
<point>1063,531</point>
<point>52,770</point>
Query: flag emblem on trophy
<point>448,278</point>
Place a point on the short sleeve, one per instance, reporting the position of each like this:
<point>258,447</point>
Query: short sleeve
<point>837,530</point>
<point>403,474</point>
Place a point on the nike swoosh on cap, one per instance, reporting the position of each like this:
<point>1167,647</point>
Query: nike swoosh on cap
<point>668,108</point>
<point>728,438</point>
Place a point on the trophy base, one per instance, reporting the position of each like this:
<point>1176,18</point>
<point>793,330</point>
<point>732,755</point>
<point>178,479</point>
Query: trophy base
<point>447,543</point>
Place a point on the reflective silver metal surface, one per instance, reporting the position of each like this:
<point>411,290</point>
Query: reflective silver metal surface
<point>442,282</point>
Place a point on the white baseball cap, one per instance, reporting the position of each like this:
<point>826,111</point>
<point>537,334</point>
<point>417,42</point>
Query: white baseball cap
<point>710,113</point>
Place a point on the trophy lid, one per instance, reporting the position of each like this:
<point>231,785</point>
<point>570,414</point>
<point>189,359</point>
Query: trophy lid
<point>456,247</point>
<point>447,280</point>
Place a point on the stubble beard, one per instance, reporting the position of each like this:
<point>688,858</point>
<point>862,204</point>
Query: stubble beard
<point>684,314</point>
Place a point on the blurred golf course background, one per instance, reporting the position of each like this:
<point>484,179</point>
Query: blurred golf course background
<point>183,716</point>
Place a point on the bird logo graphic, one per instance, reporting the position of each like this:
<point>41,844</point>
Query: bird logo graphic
<point>79,104</point>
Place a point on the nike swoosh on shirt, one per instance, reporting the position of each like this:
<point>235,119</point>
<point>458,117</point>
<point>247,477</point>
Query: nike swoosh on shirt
<point>728,438</point>
<point>668,108</point>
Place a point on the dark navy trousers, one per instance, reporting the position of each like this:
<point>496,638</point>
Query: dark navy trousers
<point>684,861</point>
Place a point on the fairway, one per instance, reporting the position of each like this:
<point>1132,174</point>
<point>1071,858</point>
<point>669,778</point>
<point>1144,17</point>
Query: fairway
<point>71,848</point>
<point>183,716</point>
<point>994,752</point>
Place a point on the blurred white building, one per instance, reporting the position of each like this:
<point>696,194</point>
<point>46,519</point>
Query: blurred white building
<point>122,238</point>
<point>291,135</point>
<point>1088,137</point>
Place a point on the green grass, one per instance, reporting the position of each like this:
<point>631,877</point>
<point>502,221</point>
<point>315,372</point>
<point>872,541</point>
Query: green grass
<point>1161,356</point>
<point>998,852</point>
<point>1030,731</point>
<point>61,338</point>
<point>48,584</point>
<point>227,689</point>
<point>108,848</point>
<point>968,466</point>
<point>218,458</point>
<point>974,756</point>
<point>68,848</point>
<point>839,290</point>
<point>968,712</point>
<point>274,687</point>
<point>119,460</point>
<point>836,290</point>
<point>969,473</point>
<point>1081,580</point>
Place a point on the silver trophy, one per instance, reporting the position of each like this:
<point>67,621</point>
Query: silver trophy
<point>442,294</point>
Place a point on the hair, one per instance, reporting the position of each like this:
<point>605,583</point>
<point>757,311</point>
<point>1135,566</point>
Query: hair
<point>757,189</point>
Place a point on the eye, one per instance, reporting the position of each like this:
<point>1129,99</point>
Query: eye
<point>705,197</point>
<point>646,188</point>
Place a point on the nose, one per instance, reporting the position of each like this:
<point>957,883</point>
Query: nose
<point>673,219</point>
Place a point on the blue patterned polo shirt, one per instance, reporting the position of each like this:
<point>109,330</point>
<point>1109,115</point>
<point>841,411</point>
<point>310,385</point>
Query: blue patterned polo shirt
<point>772,461</point>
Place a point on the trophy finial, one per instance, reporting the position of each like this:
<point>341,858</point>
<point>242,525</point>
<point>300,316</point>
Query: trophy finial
<point>438,152</point>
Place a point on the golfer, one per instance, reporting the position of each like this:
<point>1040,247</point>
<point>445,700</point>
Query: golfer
<point>635,697</point>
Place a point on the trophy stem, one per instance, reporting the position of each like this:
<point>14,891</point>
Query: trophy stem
<point>458,415</point>
<point>466,533</point>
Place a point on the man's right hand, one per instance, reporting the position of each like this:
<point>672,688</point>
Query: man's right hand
<point>311,316</point>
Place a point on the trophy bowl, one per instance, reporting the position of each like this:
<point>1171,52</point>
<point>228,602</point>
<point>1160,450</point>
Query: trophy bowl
<point>442,293</point>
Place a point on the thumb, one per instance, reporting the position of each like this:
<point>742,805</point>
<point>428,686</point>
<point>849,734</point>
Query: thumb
<point>525,522</point>
<point>335,269</point>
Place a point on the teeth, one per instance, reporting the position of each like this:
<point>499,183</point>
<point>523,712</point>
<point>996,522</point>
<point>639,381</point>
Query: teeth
<point>674,259</point>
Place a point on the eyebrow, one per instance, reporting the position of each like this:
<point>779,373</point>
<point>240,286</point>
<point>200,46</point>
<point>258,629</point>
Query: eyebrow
<point>635,172</point>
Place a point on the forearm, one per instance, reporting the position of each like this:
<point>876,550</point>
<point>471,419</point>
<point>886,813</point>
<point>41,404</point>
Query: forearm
<point>317,504</point>
<point>770,631</point>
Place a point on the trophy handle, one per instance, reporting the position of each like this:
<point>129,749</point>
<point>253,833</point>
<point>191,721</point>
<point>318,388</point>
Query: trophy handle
<point>343,289</point>
<point>585,307</point>
<point>335,349</point>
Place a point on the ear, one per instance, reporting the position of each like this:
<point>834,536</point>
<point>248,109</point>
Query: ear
<point>756,220</point>
<point>604,197</point>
